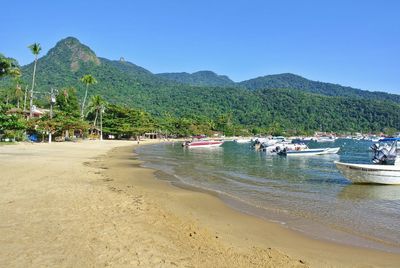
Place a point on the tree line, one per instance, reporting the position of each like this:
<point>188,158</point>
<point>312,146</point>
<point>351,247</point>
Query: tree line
<point>124,100</point>
<point>71,117</point>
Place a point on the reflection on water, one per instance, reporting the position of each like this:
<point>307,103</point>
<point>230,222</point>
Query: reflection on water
<point>308,189</point>
<point>370,192</point>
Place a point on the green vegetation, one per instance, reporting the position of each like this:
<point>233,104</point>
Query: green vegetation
<point>8,66</point>
<point>295,82</point>
<point>12,126</point>
<point>96,105</point>
<point>201,78</point>
<point>136,101</point>
<point>87,79</point>
<point>35,49</point>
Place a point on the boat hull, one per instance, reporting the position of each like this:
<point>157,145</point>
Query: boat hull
<point>207,144</point>
<point>242,141</point>
<point>320,151</point>
<point>375,174</point>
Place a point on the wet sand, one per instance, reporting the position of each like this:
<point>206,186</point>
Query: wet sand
<point>91,204</point>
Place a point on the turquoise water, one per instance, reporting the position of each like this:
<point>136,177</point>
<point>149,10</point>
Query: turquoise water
<point>305,193</point>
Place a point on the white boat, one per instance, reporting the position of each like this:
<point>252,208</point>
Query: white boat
<point>308,139</point>
<point>260,143</point>
<point>242,140</point>
<point>202,144</point>
<point>386,169</point>
<point>277,147</point>
<point>308,151</point>
<point>370,173</point>
<point>275,140</point>
<point>326,139</point>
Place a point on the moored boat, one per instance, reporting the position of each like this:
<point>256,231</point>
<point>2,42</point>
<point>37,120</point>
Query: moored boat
<point>326,139</point>
<point>370,173</point>
<point>308,151</point>
<point>278,147</point>
<point>242,140</point>
<point>384,170</point>
<point>202,144</point>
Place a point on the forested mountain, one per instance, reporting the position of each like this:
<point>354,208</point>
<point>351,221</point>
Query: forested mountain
<point>286,81</point>
<point>69,60</point>
<point>280,101</point>
<point>201,78</point>
<point>292,81</point>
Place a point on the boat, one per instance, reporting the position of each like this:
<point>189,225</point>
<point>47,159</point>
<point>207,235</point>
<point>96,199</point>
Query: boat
<point>202,144</point>
<point>385,167</point>
<point>308,151</point>
<point>242,140</point>
<point>278,147</point>
<point>260,143</point>
<point>308,139</point>
<point>370,173</point>
<point>326,139</point>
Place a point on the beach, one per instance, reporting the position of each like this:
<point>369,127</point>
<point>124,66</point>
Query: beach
<point>91,204</point>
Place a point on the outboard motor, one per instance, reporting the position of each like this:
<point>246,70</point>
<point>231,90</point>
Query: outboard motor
<point>384,155</point>
<point>282,151</point>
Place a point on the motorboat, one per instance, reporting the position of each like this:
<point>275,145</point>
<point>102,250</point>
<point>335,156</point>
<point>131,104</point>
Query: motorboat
<point>385,167</point>
<point>308,151</point>
<point>308,139</point>
<point>242,140</point>
<point>326,139</point>
<point>261,143</point>
<point>278,147</point>
<point>202,143</point>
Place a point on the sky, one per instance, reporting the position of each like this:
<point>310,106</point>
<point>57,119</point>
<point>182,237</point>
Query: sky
<point>353,43</point>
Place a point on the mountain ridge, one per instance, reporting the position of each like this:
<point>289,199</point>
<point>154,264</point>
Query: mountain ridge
<point>81,54</point>
<point>199,78</point>
<point>252,106</point>
<point>288,80</point>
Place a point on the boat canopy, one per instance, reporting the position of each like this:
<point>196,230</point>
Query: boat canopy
<point>389,139</point>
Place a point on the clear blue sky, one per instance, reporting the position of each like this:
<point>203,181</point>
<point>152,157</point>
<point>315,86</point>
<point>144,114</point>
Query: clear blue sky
<point>355,43</point>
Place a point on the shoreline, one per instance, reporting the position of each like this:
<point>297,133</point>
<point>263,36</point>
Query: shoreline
<point>307,227</point>
<point>314,230</point>
<point>315,252</point>
<point>100,207</point>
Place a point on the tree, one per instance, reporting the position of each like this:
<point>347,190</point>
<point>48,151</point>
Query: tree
<point>35,49</point>
<point>11,125</point>
<point>97,104</point>
<point>126,122</point>
<point>87,80</point>
<point>390,131</point>
<point>8,66</point>
<point>67,101</point>
<point>18,92</point>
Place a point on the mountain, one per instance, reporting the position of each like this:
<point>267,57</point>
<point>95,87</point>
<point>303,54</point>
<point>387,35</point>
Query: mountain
<point>69,60</point>
<point>292,81</point>
<point>201,78</point>
<point>283,81</point>
<point>285,100</point>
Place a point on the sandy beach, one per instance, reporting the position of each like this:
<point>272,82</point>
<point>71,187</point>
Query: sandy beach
<point>90,204</point>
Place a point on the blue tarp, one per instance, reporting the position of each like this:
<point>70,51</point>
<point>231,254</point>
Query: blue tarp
<point>33,137</point>
<point>389,139</point>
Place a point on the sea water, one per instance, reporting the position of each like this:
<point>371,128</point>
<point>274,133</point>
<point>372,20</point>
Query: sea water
<point>304,193</point>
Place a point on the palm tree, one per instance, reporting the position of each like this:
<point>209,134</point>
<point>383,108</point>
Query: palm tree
<point>95,105</point>
<point>87,80</point>
<point>35,49</point>
<point>18,93</point>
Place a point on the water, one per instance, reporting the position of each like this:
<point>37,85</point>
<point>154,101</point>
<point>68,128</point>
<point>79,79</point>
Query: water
<point>305,193</point>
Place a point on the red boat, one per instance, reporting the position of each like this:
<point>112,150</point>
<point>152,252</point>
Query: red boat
<point>202,144</point>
